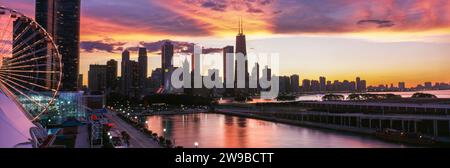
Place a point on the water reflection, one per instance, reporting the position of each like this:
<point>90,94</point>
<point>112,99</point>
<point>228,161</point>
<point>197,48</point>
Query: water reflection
<point>221,131</point>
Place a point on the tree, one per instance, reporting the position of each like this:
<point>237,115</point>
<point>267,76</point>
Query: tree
<point>424,96</point>
<point>354,97</point>
<point>333,97</point>
<point>168,143</point>
<point>161,139</point>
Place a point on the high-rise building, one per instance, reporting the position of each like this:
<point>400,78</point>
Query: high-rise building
<point>363,86</point>
<point>125,73</point>
<point>61,18</point>
<point>257,76</point>
<point>323,84</point>
<point>306,85</point>
<point>228,51</point>
<point>358,84</point>
<point>345,85</point>
<point>241,48</point>
<point>156,78</point>
<point>401,86</point>
<point>80,81</point>
<point>315,85</point>
<point>329,86</point>
<point>142,59</point>
<point>295,83</point>
<point>352,86</point>
<point>111,75</point>
<point>166,62</point>
<point>97,78</point>
<point>428,85</point>
<point>266,75</point>
<point>134,89</point>
<point>285,84</point>
<point>337,85</point>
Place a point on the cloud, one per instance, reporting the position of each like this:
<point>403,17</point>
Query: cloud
<point>251,9</point>
<point>215,5</point>
<point>379,23</point>
<point>101,45</point>
<point>219,17</point>
<point>179,47</point>
<point>331,16</point>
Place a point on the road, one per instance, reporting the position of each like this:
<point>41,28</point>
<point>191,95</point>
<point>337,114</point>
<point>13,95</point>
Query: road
<point>137,138</point>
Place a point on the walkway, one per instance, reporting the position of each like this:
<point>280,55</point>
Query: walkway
<point>82,140</point>
<point>138,139</point>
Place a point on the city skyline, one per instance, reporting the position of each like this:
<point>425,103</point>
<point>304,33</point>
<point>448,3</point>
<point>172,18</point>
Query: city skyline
<point>282,73</point>
<point>383,47</point>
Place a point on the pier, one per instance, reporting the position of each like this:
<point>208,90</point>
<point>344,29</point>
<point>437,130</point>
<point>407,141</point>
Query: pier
<point>362,117</point>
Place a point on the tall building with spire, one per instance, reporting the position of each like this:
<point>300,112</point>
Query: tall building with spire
<point>241,47</point>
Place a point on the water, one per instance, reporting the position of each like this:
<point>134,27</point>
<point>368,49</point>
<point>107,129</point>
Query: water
<point>222,131</point>
<point>438,93</point>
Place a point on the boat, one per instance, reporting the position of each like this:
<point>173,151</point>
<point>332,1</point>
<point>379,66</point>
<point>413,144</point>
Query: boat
<point>405,137</point>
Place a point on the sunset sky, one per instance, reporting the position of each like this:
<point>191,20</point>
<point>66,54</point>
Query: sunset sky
<point>382,41</point>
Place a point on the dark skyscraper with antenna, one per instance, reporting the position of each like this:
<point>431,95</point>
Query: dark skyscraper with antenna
<point>241,47</point>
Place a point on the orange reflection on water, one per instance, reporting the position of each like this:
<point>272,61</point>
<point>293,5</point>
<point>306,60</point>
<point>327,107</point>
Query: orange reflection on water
<point>222,131</point>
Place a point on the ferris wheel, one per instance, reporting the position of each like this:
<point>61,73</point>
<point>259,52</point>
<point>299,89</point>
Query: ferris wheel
<point>30,64</point>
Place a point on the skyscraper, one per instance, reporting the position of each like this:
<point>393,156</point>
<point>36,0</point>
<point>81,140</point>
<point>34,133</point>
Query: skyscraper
<point>80,81</point>
<point>363,86</point>
<point>142,59</point>
<point>125,73</point>
<point>306,85</point>
<point>352,86</point>
<point>111,75</point>
<point>241,48</point>
<point>401,86</point>
<point>428,85</point>
<point>285,84</point>
<point>257,77</point>
<point>323,84</point>
<point>295,83</point>
<point>134,90</point>
<point>358,84</point>
<point>266,75</point>
<point>97,78</point>
<point>61,18</point>
<point>315,85</point>
<point>156,78</point>
<point>228,50</point>
<point>166,61</point>
<point>44,15</point>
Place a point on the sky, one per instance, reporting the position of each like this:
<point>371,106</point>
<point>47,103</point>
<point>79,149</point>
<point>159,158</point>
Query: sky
<point>383,41</point>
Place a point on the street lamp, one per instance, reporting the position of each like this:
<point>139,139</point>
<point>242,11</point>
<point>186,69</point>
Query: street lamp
<point>164,130</point>
<point>196,144</point>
